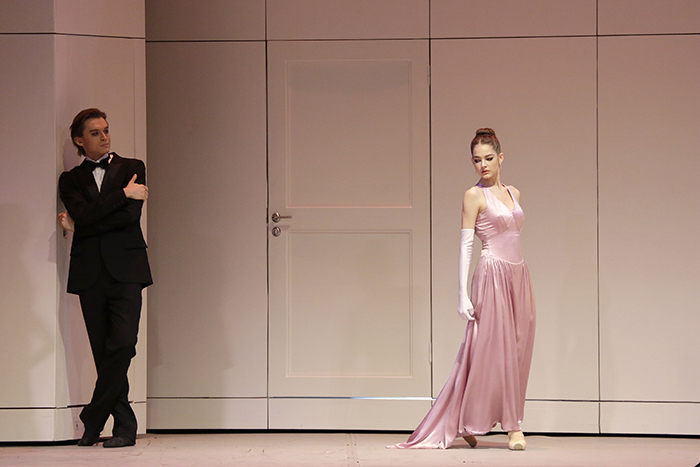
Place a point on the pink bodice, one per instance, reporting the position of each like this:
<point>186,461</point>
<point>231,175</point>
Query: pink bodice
<point>498,228</point>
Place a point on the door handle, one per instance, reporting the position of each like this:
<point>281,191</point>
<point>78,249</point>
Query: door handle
<point>276,217</point>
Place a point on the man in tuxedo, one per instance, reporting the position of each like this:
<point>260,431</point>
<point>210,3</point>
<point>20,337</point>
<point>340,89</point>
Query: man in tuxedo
<point>108,269</point>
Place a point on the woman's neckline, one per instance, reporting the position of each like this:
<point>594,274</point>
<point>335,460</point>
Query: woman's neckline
<point>510,195</point>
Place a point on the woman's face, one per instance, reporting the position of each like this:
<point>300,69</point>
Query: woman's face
<point>95,140</point>
<point>486,162</point>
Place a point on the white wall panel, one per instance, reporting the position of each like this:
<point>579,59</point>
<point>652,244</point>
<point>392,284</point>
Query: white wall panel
<point>207,413</point>
<point>648,16</point>
<point>108,83</point>
<point>26,424</point>
<point>346,413</point>
<point>117,18</point>
<point>111,89</point>
<point>552,416</point>
<point>22,16</point>
<point>28,208</point>
<point>511,18</point>
<point>347,19</point>
<point>199,20</point>
<point>539,97</point>
<point>46,79</point>
<point>139,367</point>
<point>117,89</point>
<point>207,220</point>
<point>650,418</point>
<point>649,218</point>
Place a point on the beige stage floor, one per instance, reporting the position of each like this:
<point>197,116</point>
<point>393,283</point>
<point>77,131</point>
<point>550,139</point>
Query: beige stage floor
<point>360,450</point>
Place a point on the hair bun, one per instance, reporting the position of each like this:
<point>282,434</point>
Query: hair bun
<point>485,132</point>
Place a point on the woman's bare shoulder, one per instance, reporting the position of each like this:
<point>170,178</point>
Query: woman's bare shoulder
<point>473,192</point>
<point>474,197</point>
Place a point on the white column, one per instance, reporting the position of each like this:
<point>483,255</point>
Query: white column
<point>58,58</point>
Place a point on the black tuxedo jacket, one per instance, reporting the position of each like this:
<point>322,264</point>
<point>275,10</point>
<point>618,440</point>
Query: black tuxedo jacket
<point>107,224</point>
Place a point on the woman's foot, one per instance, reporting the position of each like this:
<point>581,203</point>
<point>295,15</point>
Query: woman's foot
<point>516,441</point>
<point>470,439</point>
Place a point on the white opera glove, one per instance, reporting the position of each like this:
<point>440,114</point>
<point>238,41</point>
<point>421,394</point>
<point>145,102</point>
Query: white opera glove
<point>465,308</point>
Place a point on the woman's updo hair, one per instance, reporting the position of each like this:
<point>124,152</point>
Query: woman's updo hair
<point>486,136</point>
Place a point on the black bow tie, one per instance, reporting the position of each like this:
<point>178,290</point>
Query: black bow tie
<point>104,163</point>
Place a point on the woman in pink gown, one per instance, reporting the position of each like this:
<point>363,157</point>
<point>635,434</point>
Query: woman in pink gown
<point>489,378</point>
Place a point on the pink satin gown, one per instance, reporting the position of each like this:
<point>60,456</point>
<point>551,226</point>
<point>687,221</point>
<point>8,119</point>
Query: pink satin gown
<point>489,378</point>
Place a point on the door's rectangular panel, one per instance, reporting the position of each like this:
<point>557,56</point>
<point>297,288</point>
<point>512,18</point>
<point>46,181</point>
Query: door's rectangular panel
<point>350,310</point>
<point>349,133</point>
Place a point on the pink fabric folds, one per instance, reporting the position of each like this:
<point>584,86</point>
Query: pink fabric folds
<point>488,381</point>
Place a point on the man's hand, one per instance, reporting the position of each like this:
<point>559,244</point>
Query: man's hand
<point>135,190</point>
<point>66,222</point>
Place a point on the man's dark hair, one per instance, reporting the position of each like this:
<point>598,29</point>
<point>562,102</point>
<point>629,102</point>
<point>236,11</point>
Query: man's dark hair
<point>78,126</point>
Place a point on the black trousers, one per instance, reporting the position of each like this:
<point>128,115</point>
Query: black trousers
<point>111,310</point>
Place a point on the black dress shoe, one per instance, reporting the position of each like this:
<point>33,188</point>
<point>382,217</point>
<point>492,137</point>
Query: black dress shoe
<point>118,442</point>
<point>89,439</point>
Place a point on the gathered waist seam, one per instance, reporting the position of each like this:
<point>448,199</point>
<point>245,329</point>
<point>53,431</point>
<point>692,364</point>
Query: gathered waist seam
<point>489,255</point>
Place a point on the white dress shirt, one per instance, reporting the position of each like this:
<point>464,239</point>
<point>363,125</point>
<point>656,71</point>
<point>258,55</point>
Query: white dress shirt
<point>99,172</point>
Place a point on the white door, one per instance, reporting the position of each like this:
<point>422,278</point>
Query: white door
<point>350,262</point>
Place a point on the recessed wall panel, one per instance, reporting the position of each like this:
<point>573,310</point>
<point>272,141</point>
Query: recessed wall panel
<point>123,18</point>
<point>649,218</point>
<point>23,16</point>
<point>347,19</point>
<point>200,20</point>
<point>648,17</point>
<point>511,18</point>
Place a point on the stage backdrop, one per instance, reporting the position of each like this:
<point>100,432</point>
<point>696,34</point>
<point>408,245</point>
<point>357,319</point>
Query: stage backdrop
<point>596,106</point>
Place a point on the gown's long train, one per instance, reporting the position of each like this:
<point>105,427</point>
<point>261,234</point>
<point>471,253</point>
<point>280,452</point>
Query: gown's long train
<point>489,378</point>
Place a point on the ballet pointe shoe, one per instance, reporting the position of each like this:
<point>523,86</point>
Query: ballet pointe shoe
<point>516,441</point>
<point>470,439</point>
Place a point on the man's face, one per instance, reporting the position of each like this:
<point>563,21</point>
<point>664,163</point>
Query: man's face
<point>95,140</point>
